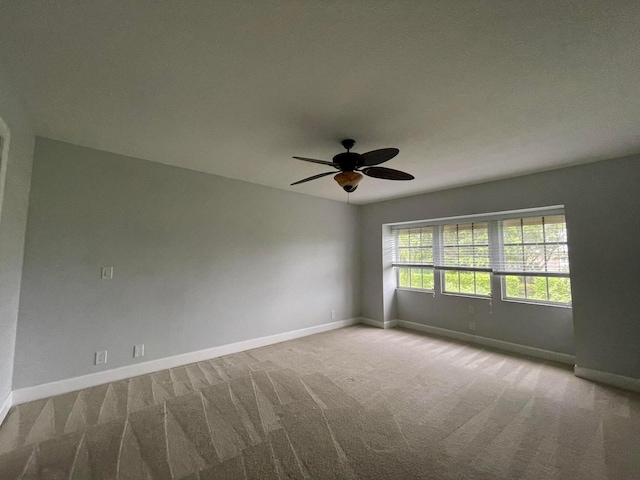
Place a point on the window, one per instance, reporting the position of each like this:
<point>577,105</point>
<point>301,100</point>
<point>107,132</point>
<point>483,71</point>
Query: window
<point>529,254</point>
<point>465,261</point>
<point>414,257</point>
<point>535,259</point>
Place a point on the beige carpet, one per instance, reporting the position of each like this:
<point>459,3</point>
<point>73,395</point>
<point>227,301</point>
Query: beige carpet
<point>353,403</point>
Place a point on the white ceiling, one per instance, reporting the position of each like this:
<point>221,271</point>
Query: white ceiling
<point>469,91</point>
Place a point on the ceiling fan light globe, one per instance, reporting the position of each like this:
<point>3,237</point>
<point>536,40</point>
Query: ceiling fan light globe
<point>348,180</point>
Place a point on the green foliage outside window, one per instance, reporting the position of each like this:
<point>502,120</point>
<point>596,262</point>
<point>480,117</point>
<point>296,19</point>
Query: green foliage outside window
<point>547,289</point>
<point>413,277</point>
<point>470,283</point>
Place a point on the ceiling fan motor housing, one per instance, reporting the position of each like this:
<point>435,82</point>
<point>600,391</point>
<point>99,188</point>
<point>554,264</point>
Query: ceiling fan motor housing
<point>348,161</point>
<point>348,180</point>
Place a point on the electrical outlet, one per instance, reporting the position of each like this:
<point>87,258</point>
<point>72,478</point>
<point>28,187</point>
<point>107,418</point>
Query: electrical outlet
<point>333,314</point>
<point>138,350</point>
<point>471,309</point>
<point>101,357</point>
<point>472,325</point>
<point>106,273</point>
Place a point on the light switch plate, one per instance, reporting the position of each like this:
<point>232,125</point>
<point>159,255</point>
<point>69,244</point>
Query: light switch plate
<point>106,273</point>
<point>138,350</point>
<point>101,357</point>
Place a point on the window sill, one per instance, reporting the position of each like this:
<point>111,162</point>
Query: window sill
<point>467,295</point>
<point>538,303</point>
<point>420,290</point>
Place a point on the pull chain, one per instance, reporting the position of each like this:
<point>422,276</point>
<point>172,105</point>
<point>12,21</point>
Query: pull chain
<point>348,198</point>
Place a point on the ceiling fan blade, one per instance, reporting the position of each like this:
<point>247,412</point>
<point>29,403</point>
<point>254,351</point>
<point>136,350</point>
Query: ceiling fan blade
<point>376,157</point>
<point>387,173</point>
<point>313,160</point>
<point>320,175</point>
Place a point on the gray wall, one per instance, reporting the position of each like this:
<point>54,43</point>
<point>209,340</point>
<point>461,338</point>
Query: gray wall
<point>602,205</point>
<point>13,219</point>
<point>199,260</point>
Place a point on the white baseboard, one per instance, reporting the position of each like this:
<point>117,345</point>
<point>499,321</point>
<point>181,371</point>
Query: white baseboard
<point>379,323</point>
<point>4,409</point>
<point>490,342</point>
<point>620,381</point>
<point>93,379</point>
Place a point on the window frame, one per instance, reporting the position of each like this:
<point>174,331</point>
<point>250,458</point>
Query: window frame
<point>497,261</point>
<point>532,301</point>
<point>415,289</point>
<point>504,274</point>
<point>473,269</point>
<point>414,265</point>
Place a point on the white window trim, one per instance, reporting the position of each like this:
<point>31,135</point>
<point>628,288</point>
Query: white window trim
<point>397,265</point>
<point>495,239</point>
<point>420,290</point>
<point>5,137</point>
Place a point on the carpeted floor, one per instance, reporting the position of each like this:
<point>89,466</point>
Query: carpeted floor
<point>355,403</point>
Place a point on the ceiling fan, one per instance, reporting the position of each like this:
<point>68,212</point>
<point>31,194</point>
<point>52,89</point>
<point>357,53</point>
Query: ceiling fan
<point>350,163</point>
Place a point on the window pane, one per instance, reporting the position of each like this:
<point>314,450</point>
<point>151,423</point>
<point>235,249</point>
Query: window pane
<point>465,234</point>
<point>513,257</point>
<point>427,278</point>
<point>481,256</point>
<point>414,238</point>
<point>403,238</point>
<point>532,229</point>
<point>465,256</point>
<point>536,288</point>
<point>403,277</point>
<point>555,228</point>
<point>559,290</point>
<point>416,278</point>
<point>415,255</point>
<point>483,283</point>
<point>450,256</point>
<point>426,255</point>
<point>557,258</point>
<point>451,281</point>
<point>514,286</point>
<point>467,283</point>
<point>511,231</point>
<point>404,255</point>
<point>534,258</point>
<point>427,236</point>
<point>480,234</point>
<point>450,235</point>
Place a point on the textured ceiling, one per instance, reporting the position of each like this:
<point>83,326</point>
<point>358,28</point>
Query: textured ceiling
<point>469,91</point>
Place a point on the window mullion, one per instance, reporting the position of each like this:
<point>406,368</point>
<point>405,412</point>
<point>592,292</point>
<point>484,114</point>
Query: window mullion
<point>438,258</point>
<point>546,268</point>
